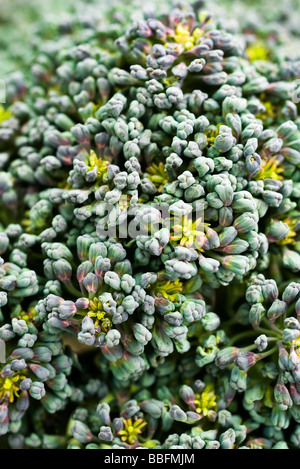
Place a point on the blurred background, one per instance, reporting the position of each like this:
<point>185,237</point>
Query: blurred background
<point>25,23</point>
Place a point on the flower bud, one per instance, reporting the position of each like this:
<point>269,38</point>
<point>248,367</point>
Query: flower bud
<point>152,407</point>
<point>62,270</point>
<point>187,394</point>
<point>18,365</point>
<point>67,309</point>
<point>261,342</point>
<point>290,334</point>
<point>81,432</point>
<point>141,334</point>
<point>277,309</point>
<point>105,434</point>
<point>282,397</point>
<point>238,379</point>
<point>245,360</point>
<point>227,439</point>
<point>237,264</point>
<point>37,390</point>
<point>276,231</point>
<point>25,384</point>
<point>210,321</point>
<point>103,411</point>
<point>113,338</point>
<point>256,314</point>
<point>178,414</point>
<point>226,356</point>
<point>291,260</point>
<point>245,222</point>
<point>291,292</point>
<point>295,395</point>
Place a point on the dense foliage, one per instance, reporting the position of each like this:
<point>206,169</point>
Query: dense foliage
<point>149,229</point>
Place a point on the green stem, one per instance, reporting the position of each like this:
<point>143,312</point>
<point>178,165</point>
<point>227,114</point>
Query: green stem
<point>273,327</point>
<point>250,347</point>
<point>215,256</point>
<point>269,352</point>
<point>71,289</point>
<point>230,322</point>
<point>241,335</point>
<point>268,331</point>
<point>253,346</point>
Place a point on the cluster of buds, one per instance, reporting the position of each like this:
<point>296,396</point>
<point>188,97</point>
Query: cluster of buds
<point>210,150</point>
<point>273,355</point>
<point>127,317</point>
<point>34,366</point>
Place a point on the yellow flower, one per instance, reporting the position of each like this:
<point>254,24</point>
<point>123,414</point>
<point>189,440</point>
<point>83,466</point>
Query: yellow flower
<point>187,233</point>
<point>182,36</point>
<point>296,344</point>
<point>271,110</point>
<point>289,239</point>
<point>257,51</point>
<point>99,316</point>
<point>168,289</point>
<point>96,311</point>
<point>10,387</point>
<point>269,397</point>
<point>101,165</point>
<point>5,114</point>
<point>205,17</point>
<point>270,168</point>
<point>206,401</point>
<point>124,202</point>
<point>131,430</point>
<point>27,316</point>
<point>157,174</point>
<point>185,37</point>
<point>212,133</point>
<point>197,33</point>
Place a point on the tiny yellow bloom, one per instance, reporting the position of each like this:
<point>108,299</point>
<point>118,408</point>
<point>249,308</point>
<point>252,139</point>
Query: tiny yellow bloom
<point>5,114</point>
<point>197,33</point>
<point>185,37</point>
<point>100,164</point>
<point>100,317</point>
<point>7,384</point>
<point>157,174</point>
<point>270,169</point>
<point>131,430</point>
<point>10,387</point>
<point>187,233</point>
<point>205,17</point>
<point>168,289</point>
<point>257,51</point>
<point>212,133</point>
<point>290,237</point>
<point>271,110</point>
<point>206,401</point>
<point>27,316</point>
